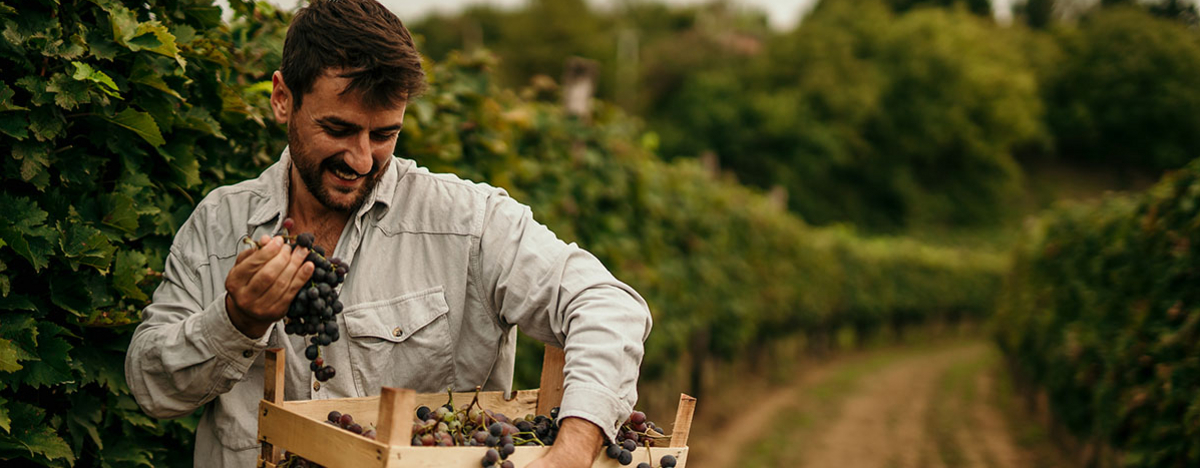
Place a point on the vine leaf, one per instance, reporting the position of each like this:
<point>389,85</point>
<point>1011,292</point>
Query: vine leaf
<point>140,123</point>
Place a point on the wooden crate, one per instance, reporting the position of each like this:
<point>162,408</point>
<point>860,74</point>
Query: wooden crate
<point>299,426</point>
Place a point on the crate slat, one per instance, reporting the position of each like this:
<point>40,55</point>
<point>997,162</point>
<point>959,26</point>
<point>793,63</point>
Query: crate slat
<point>314,440</point>
<point>469,457</point>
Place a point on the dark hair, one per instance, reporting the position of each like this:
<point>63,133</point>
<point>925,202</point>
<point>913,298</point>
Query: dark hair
<point>363,38</point>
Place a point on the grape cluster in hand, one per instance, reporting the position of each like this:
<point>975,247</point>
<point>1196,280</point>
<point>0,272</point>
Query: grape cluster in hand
<point>635,430</point>
<point>314,309</point>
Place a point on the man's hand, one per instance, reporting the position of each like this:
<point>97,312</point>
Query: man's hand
<point>262,284</point>
<point>576,446</point>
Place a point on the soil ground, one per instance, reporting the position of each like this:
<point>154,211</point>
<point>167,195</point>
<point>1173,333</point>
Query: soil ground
<point>938,405</point>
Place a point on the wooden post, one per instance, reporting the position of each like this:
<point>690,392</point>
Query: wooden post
<point>394,424</point>
<point>683,421</point>
<point>273,385</point>
<point>579,83</point>
<point>550,392</point>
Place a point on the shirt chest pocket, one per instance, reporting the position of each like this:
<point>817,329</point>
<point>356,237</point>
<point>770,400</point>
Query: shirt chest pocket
<point>402,342</point>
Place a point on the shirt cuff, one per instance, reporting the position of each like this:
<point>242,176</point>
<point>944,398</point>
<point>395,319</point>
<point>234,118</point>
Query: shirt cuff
<point>595,404</point>
<point>225,340</point>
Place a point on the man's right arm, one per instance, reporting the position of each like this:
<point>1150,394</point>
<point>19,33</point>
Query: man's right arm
<point>187,351</point>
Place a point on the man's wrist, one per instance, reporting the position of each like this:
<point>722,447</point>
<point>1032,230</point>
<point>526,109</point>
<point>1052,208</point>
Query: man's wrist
<point>253,329</point>
<point>578,440</point>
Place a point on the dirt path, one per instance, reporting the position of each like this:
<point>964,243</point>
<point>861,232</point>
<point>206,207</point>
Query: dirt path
<point>940,406</point>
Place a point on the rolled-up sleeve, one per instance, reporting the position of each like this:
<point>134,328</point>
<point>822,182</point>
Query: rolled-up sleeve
<point>186,351</point>
<point>562,295</point>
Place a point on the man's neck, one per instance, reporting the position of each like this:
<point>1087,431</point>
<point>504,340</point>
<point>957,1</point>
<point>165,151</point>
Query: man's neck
<point>310,215</point>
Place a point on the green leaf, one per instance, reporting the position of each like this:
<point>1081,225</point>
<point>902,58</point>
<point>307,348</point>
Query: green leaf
<point>181,156</point>
<point>25,232</point>
<point>6,99</point>
<point>119,212</point>
<point>101,45</point>
<point>140,123</point>
<point>69,93</point>
<point>31,435</point>
<point>15,124</point>
<point>36,86</point>
<point>71,293</point>
<point>149,35</point>
<point>143,73</point>
<point>46,123</point>
<point>17,302</point>
<point>198,118</point>
<point>84,72</point>
<point>53,366</point>
<point>35,162</point>
<point>84,245</point>
<point>129,272</point>
<point>86,412</point>
<point>10,356</point>
<point>106,369</point>
<point>5,420</point>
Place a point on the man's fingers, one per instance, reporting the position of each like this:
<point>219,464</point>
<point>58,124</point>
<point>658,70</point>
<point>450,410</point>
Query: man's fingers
<point>269,272</point>
<point>264,254</point>
<point>282,290</point>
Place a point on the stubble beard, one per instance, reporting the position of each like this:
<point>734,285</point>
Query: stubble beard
<point>312,170</point>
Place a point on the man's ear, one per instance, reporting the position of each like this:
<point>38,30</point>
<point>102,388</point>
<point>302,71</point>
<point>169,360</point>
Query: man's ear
<point>281,98</point>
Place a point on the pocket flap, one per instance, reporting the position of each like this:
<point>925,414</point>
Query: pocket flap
<point>398,318</point>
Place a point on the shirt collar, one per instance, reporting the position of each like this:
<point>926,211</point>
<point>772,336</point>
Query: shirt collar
<point>277,181</point>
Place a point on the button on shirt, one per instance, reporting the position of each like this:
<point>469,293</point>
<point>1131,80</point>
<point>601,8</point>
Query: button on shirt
<point>442,271</point>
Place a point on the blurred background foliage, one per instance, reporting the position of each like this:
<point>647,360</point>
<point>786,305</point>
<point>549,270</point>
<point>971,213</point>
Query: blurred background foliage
<point>892,115</point>
<point>867,171</point>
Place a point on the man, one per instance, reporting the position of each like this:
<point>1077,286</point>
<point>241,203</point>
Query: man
<point>441,269</point>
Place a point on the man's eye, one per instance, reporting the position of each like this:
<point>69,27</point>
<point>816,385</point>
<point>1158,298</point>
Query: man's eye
<point>383,136</point>
<point>338,133</point>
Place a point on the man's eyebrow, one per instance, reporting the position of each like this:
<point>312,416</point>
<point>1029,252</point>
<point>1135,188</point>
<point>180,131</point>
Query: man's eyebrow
<point>334,121</point>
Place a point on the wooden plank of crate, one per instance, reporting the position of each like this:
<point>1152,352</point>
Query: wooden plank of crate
<point>365,409</point>
<point>316,441</point>
<point>683,421</point>
<point>273,367</point>
<point>551,388</point>
<point>396,416</point>
<point>469,457</point>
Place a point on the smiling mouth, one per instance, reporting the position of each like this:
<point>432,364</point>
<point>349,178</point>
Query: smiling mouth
<point>344,175</point>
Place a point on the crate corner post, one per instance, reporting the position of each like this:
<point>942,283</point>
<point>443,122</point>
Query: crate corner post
<point>273,382</point>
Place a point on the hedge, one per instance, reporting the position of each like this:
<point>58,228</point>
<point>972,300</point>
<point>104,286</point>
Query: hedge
<point>120,116</point>
<point>1101,310</point>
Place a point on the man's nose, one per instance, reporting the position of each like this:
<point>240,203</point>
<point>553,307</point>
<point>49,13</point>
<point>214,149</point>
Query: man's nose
<point>359,154</point>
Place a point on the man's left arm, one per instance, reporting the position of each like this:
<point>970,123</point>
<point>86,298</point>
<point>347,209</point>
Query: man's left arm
<point>562,295</point>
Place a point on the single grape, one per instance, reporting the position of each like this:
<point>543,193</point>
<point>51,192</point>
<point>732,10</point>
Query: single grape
<point>311,352</point>
<point>629,445</point>
<point>288,224</point>
<point>346,420</point>
<point>613,451</point>
<point>496,429</point>
<point>355,428</point>
<point>507,464</point>
<point>335,416</point>
<point>667,461</point>
<point>637,417</point>
<point>625,458</point>
<point>492,455</point>
<point>643,465</point>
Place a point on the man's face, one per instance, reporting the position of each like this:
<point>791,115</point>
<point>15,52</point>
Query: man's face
<point>339,146</point>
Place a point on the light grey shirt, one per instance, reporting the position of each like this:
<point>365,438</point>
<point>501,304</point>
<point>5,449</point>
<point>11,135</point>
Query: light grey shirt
<point>442,271</point>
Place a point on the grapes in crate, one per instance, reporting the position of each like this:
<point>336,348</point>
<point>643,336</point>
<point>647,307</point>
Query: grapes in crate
<point>497,434</point>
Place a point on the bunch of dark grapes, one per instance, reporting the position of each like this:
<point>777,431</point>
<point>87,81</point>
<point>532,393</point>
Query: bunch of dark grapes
<point>634,431</point>
<point>314,310</point>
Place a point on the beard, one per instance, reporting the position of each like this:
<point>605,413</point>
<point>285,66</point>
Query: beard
<point>312,168</point>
